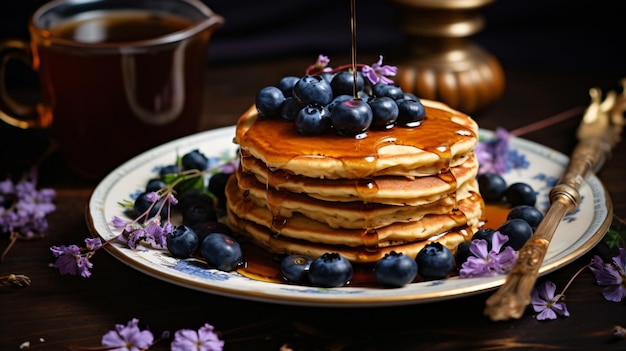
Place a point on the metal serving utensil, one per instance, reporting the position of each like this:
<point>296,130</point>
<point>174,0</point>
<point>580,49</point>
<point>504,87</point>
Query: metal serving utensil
<point>599,131</point>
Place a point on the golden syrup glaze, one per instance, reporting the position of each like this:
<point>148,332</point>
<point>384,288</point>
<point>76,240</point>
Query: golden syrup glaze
<point>277,142</point>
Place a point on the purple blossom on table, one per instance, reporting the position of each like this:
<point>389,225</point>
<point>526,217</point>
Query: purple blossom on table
<point>128,337</point>
<point>23,208</point>
<point>379,72</point>
<point>612,275</point>
<point>484,262</point>
<point>546,303</point>
<point>74,260</point>
<point>204,339</point>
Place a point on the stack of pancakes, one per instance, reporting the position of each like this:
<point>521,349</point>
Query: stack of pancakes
<point>392,190</point>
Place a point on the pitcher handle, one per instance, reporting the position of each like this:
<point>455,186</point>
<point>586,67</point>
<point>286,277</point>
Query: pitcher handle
<point>11,111</point>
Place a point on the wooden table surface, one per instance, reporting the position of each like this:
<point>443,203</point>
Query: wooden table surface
<point>57,311</point>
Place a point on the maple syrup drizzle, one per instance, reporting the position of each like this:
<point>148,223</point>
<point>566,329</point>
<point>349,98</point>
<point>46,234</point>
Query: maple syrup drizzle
<point>280,143</point>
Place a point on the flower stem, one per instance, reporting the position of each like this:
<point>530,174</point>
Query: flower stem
<point>12,239</point>
<point>548,121</point>
<point>571,280</point>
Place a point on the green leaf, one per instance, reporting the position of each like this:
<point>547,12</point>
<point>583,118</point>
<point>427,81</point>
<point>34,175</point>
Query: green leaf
<point>189,184</point>
<point>616,235</point>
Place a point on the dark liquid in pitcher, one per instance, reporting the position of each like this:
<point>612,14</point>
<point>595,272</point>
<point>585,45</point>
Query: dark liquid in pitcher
<point>119,27</point>
<point>111,104</point>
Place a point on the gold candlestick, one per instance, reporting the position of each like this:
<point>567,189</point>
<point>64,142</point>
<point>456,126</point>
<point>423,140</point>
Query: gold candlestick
<point>440,62</point>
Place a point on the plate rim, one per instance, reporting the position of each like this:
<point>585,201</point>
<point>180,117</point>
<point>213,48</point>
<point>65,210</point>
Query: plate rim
<point>345,298</point>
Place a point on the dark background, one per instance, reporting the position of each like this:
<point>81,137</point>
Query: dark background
<point>570,43</point>
<point>572,35</point>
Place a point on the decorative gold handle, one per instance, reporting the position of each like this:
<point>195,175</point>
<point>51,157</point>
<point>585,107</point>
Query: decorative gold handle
<point>511,299</point>
<point>596,138</point>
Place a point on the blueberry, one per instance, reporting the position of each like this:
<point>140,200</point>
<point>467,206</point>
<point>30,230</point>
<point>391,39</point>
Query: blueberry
<point>343,83</point>
<point>327,76</point>
<point>530,214</point>
<point>384,112</point>
<point>169,169</point>
<point>411,113</point>
<point>195,214</point>
<point>295,268</point>
<point>142,204</point>
<point>313,90</point>
<point>221,251</point>
<point>154,185</point>
<point>492,186</point>
<point>351,117</point>
<point>337,99</point>
<point>484,234</point>
<point>394,92</point>
<point>217,186</point>
<point>289,109</point>
<point>462,253</point>
<point>286,85</point>
<point>182,242</point>
<point>518,231</point>
<point>409,96</point>
<point>395,270</point>
<point>520,194</point>
<point>203,229</point>
<point>434,261</point>
<point>330,270</point>
<point>268,101</point>
<point>313,120</point>
<point>193,198</point>
<point>195,160</point>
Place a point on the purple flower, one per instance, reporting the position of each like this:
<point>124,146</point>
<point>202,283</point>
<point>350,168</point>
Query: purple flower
<point>230,167</point>
<point>67,258</point>
<point>6,186</point>
<point>495,156</point>
<point>150,233</point>
<point>23,208</point>
<point>322,64</point>
<point>613,276</point>
<point>492,154</point>
<point>484,262</point>
<point>548,305</point>
<point>93,243</point>
<point>378,73</point>
<point>74,260</point>
<point>205,339</point>
<point>128,337</point>
<point>152,196</point>
<point>118,223</point>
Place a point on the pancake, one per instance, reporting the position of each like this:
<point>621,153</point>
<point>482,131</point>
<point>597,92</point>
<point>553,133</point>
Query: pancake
<point>394,190</point>
<point>443,140</point>
<point>354,214</point>
<point>391,190</point>
<point>301,227</point>
<point>281,245</point>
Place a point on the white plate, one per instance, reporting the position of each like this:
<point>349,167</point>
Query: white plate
<point>576,235</point>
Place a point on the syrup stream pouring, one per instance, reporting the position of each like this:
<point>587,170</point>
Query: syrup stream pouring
<point>597,134</point>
